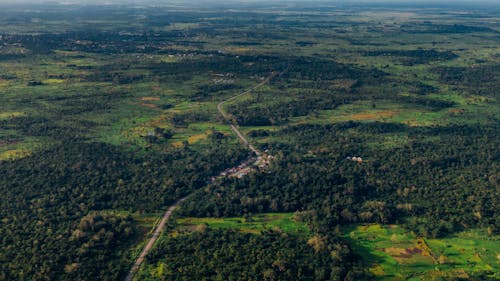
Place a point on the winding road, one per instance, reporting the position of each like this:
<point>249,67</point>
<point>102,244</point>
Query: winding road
<point>152,240</point>
<point>159,228</point>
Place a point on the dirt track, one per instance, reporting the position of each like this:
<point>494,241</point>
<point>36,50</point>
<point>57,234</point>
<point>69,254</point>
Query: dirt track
<point>171,209</point>
<point>153,239</point>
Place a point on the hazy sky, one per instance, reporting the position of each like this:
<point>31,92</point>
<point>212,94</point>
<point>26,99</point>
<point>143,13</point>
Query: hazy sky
<point>477,2</point>
<point>247,1</point>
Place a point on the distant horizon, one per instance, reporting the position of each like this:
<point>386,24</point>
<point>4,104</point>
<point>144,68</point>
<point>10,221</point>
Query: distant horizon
<point>247,1</point>
<point>492,5</point>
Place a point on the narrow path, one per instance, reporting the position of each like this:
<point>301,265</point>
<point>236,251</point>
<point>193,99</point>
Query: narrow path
<point>152,240</point>
<point>159,228</point>
<point>233,126</point>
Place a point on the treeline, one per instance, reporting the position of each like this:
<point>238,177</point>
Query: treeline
<point>276,113</point>
<point>432,104</point>
<point>315,69</point>
<point>127,71</point>
<point>220,64</point>
<point>206,92</point>
<point>477,80</point>
<point>105,42</point>
<point>443,28</point>
<point>412,57</point>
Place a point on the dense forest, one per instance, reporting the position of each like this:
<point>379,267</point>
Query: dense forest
<point>52,228</point>
<point>387,187</point>
<point>229,255</point>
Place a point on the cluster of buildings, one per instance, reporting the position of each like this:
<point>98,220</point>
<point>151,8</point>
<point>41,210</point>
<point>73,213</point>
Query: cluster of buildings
<point>239,171</point>
<point>355,159</point>
<point>223,81</point>
<point>264,161</point>
<point>261,162</point>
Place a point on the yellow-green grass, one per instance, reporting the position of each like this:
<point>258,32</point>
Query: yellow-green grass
<point>474,249</point>
<point>365,111</point>
<point>198,132</point>
<point>181,26</point>
<point>11,154</point>
<point>11,114</point>
<point>393,253</point>
<point>283,222</point>
<point>467,110</point>
<point>22,148</point>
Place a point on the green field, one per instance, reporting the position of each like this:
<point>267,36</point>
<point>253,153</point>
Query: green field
<point>280,222</point>
<point>394,253</point>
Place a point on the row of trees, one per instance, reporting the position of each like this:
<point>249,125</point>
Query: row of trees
<point>412,57</point>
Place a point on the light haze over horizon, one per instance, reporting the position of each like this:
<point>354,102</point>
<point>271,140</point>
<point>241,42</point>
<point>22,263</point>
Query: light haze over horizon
<point>244,1</point>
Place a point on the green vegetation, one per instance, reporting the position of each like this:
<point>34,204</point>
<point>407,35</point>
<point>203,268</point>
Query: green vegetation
<point>212,254</point>
<point>394,253</point>
<point>109,115</point>
<point>278,222</point>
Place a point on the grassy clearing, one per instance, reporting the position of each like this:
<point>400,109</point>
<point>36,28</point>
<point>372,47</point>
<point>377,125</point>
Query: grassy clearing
<point>283,222</point>
<point>396,254</point>
<point>12,154</point>
<point>472,249</point>
<point>386,111</point>
<point>10,150</point>
<point>12,114</point>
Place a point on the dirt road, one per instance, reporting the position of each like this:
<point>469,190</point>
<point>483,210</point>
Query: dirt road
<point>230,122</point>
<point>171,209</point>
<point>152,240</point>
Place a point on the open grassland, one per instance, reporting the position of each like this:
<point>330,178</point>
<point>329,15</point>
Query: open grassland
<point>467,110</point>
<point>278,222</point>
<point>394,253</point>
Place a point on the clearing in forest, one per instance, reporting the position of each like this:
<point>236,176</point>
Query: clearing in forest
<point>394,253</point>
<point>281,222</point>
